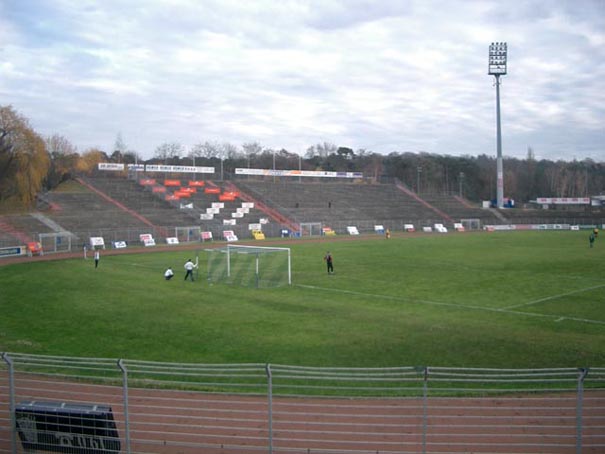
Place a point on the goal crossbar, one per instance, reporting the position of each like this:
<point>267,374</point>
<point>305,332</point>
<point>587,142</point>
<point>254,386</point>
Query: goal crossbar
<point>242,249</point>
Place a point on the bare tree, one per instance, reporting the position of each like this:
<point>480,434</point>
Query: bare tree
<point>323,150</point>
<point>119,149</point>
<point>58,145</point>
<point>229,151</point>
<point>205,150</point>
<point>169,151</point>
<point>251,151</point>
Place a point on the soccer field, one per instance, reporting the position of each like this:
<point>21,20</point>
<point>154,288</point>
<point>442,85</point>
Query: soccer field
<point>510,299</point>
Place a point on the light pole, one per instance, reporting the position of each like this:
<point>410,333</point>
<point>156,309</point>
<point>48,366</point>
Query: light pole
<point>461,178</point>
<point>193,160</point>
<point>418,172</point>
<point>497,67</point>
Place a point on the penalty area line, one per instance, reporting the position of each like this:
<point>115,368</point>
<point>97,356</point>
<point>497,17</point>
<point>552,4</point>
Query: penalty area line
<point>556,318</point>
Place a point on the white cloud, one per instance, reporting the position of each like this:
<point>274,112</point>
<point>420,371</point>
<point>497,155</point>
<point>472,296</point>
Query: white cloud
<point>386,76</point>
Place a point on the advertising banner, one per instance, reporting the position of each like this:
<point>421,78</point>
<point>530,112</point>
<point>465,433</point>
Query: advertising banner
<point>564,200</point>
<point>154,168</point>
<point>97,241</point>
<point>110,166</point>
<point>297,173</point>
<point>12,251</point>
<point>177,169</point>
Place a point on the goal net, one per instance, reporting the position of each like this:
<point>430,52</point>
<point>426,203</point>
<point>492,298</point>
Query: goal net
<point>311,228</point>
<point>56,242</point>
<point>188,234</point>
<point>250,266</point>
<point>471,224</point>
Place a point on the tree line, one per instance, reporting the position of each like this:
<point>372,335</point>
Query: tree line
<point>30,163</point>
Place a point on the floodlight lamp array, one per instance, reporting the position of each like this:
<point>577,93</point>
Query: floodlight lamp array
<point>497,59</point>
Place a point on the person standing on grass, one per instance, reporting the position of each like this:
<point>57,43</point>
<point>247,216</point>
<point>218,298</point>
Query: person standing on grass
<point>591,239</point>
<point>329,262</point>
<point>97,258</point>
<point>189,266</point>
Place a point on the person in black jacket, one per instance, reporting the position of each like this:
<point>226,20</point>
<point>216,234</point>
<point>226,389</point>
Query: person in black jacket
<point>329,262</point>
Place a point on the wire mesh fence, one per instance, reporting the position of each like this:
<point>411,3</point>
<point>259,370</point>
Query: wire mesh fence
<point>83,405</point>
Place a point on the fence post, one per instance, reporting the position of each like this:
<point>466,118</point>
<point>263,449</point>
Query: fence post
<point>11,394</point>
<point>579,403</point>
<point>425,402</point>
<point>270,404</point>
<point>125,403</point>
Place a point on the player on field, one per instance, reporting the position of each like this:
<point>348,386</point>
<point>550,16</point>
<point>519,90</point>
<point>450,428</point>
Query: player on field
<point>329,262</point>
<point>189,266</point>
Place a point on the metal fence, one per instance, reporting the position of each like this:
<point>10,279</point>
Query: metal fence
<point>268,408</point>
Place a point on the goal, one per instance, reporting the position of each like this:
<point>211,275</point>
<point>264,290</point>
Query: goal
<point>250,266</point>
<point>56,242</point>
<point>471,224</point>
<point>188,234</point>
<point>311,228</point>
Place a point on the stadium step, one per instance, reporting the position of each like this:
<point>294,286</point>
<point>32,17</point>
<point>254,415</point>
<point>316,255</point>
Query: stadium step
<point>12,231</point>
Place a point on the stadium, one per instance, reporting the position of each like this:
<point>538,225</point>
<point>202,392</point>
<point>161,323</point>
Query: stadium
<point>463,330</point>
<point>232,282</point>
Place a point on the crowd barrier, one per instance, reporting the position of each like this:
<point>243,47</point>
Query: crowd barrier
<point>152,407</point>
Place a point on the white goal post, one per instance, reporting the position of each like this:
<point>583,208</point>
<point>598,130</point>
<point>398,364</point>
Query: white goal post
<point>250,266</point>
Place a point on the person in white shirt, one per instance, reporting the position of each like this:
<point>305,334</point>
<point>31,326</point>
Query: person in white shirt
<point>168,274</point>
<point>97,258</point>
<point>189,266</point>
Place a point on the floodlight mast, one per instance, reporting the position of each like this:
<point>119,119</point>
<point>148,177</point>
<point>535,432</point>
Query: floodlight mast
<point>497,67</point>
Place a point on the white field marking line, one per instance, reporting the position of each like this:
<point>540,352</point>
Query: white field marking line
<point>149,267</point>
<point>557,318</point>
<point>553,297</point>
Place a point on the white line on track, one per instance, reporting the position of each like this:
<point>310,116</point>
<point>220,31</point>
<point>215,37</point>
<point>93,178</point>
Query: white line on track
<point>459,306</point>
<point>554,297</point>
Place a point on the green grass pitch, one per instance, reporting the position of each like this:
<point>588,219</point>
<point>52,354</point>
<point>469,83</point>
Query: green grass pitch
<point>510,299</point>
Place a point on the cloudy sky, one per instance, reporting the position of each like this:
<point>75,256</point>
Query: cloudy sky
<point>379,75</point>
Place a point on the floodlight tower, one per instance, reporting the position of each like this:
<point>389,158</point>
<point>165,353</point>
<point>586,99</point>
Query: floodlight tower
<point>497,68</point>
